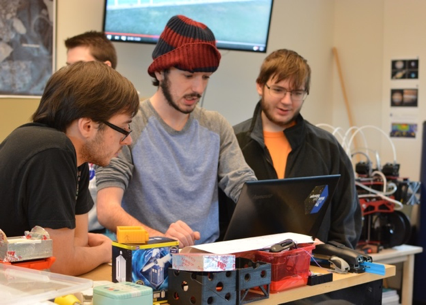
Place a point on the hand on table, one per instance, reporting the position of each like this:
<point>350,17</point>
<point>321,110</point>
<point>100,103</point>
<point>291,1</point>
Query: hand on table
<point>183,233</point>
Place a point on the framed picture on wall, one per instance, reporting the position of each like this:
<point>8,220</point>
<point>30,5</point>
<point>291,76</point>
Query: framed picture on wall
<point>405,69</point>
<point>403,130</point>
<point>404,98</point>
<point>27,46</point>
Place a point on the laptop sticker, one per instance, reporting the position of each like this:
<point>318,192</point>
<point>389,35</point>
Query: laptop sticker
<point>316,199</point>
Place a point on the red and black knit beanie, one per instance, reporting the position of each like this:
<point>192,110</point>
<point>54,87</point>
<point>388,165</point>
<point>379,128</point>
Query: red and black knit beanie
<point>187,45</point>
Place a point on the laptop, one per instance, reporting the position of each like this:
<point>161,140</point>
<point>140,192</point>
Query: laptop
<point>295,205</point>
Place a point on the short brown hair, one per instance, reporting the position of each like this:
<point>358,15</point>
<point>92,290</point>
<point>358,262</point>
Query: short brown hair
<point>100,47</point>
<point>85,90</point>
<point>285,64</point>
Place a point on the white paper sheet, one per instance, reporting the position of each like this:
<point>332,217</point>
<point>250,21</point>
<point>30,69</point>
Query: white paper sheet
<point>248,244</point>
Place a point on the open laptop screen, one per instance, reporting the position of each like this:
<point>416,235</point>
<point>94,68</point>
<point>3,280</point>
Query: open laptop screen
<point>295,205</point>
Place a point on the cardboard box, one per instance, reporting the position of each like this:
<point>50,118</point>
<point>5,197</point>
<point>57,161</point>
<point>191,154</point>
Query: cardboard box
<point>203,262</point>
<point>145,264</point>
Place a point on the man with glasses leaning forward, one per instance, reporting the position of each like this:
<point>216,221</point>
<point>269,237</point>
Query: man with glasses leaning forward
<point>83,116</point>
<point>278,143</point>
<point>92,46</point>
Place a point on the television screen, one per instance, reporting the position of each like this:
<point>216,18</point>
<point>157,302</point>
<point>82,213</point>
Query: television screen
<point>237,24</point>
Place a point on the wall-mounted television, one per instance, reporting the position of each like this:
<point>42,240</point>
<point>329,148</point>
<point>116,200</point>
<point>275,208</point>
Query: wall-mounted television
<point>237,24</point>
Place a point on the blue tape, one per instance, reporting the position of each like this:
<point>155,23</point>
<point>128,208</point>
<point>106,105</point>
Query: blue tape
<point>374,268</point>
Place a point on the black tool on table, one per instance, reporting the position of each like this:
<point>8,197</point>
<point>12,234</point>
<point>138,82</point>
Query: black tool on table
<point>284,245</point>
<point>354,258</point>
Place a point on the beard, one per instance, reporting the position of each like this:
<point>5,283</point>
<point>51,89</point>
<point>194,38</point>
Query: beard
<point>165,86</point>
<point>95,152</point>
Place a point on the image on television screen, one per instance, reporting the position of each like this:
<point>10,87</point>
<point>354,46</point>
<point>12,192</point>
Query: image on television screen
<point>237,24</point>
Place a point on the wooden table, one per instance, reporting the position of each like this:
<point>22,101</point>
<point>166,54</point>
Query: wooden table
<point>340,282</point>
<point>101,273</point>
<point>401,254</point>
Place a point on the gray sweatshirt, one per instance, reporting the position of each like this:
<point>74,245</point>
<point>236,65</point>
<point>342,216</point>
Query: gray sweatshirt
<point>169,175</point>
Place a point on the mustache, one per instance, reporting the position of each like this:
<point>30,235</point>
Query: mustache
<point>196,95</point>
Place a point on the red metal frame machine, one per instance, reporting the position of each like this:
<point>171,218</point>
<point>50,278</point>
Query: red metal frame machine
<point>382,195</point>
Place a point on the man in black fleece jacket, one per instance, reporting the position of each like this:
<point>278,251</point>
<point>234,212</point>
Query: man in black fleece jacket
<point>278,143</point>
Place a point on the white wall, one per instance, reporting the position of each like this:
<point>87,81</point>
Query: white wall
<point>404,25</point>
<point>75,17</point>
<point>358,40</point>
<point>359,43</point>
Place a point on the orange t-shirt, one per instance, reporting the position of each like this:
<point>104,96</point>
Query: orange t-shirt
<point>279,148</point>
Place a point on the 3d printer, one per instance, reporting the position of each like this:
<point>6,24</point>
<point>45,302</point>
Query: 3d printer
<point>382,195</point>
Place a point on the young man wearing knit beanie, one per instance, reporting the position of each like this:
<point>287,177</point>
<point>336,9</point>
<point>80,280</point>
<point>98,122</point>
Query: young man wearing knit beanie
<point>168,179</point>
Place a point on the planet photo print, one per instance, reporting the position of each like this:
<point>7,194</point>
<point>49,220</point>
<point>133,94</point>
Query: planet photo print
<point>404,98</point>
<point>405,69</point>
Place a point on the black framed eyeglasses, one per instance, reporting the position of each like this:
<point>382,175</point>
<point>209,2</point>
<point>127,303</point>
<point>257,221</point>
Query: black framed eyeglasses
<point>295,95</point>
<point>120,130</point>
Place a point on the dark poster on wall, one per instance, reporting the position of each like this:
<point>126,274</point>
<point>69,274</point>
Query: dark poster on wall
<point>404,98</point>
<point>405,69</point>
<point>26,46</point>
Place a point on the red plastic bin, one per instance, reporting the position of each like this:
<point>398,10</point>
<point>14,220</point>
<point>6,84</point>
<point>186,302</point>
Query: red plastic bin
<point>289,269</point>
